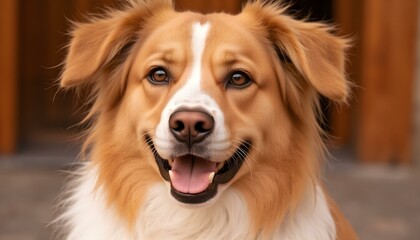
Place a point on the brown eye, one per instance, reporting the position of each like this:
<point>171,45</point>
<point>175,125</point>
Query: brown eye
<point>158,76</point>
<point>239,79</point>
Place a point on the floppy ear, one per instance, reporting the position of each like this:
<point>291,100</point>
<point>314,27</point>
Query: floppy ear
<point>315,53</point>
<point>103,43</point>
<point>318,56</point>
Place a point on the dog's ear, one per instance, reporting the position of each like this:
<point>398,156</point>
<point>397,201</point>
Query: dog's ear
<point>103,43</point>
<point>318,56</point>
<point>312,50</point>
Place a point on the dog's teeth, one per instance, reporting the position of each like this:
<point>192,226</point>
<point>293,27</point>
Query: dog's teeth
<point>211,177</point>
<point>171,174</point>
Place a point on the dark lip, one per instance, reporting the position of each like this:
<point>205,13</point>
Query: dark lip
<point>224,175</point>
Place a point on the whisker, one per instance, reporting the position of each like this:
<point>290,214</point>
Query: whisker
<point>145,143</point>
<point>248,145</point>
<point>246,156</point>
<point>242,155</point>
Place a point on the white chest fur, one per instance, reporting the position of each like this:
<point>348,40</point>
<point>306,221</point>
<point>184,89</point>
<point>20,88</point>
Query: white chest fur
<point>88,218</point>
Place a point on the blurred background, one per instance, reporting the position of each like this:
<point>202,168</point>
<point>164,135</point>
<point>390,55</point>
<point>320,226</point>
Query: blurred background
<point>374,172</point>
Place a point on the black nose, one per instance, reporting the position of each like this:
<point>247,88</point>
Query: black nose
<point>190,126</point>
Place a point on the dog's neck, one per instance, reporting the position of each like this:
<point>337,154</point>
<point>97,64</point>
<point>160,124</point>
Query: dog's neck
<point>161,217</point>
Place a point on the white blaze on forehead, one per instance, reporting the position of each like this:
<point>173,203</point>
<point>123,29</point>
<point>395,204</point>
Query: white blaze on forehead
<point>198,43</point>
<point>192,96</point>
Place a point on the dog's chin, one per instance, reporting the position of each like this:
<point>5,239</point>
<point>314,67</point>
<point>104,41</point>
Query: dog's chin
<point>199,186</point>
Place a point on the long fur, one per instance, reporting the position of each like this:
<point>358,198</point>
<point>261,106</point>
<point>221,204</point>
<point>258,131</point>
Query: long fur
<point>276,195</point>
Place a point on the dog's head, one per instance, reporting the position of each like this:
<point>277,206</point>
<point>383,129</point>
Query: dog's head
<point>205,102</point>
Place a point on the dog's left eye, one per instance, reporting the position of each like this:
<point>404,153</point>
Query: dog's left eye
<point>239,79</point>
<point>158,76</point>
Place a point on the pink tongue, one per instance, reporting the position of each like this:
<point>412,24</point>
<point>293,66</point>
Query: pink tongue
<point>191,174</point>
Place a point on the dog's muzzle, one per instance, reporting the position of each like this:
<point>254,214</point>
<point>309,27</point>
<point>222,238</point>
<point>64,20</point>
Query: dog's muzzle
<point>194,179</point>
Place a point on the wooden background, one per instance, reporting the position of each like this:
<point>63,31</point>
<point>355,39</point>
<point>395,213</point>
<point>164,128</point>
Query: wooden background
<point>8,76</point>
<point>377,125</point>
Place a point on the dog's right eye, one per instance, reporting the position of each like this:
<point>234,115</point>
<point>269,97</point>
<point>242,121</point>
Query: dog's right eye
<point>158,76</point>
<point>239,80</point>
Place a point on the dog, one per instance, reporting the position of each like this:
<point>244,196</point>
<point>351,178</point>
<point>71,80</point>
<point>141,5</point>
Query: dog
<point>203,126</point>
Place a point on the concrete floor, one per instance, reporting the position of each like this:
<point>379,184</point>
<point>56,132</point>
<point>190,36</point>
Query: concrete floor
<point>382,202</point>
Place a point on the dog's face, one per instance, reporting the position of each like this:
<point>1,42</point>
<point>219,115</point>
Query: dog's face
<point>206,102</point>
<point>211,101</point>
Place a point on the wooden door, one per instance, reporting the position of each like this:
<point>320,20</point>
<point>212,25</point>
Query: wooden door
<point>389,42</point>
<point>8,76</point>
<point>46,111</point>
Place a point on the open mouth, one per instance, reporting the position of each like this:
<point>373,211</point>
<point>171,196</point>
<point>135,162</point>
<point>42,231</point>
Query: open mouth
<point>193,179</point>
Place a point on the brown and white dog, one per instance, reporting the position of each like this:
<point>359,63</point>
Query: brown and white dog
<point>203,126</point>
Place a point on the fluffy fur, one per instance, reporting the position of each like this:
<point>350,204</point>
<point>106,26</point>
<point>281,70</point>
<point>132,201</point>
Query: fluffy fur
<point>276,194</point>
